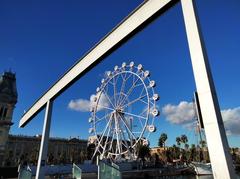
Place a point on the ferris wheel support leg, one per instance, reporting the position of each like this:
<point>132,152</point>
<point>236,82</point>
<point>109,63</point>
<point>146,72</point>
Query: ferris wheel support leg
<point>218,147</point>
<point>40,174</point>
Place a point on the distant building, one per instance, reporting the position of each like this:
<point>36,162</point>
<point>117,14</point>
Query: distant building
<point>157,150</point>
<point>60,150</point>
<point>16,148</point>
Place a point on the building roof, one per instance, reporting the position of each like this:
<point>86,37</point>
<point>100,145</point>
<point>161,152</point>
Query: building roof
<point>38,138</point>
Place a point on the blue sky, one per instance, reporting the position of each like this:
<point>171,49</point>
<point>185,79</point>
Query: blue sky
<point>40,40</point>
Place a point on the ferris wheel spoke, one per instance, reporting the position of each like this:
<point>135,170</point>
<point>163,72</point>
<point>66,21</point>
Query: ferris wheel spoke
<point>129,76</point>
<point>133,79</point>
<point>137,132</point>
<point>106,142</point>
<point>102,134</point>
<point>140,122</point>
<point>111,138</point>
<point>99,142</point>
<point>124,144</point>
<point>134,101</point>
<point>145,110</point>
<point>126,79</point>
<point>122,76</point>
<point>143,101</point>
<point>105,107</point>
<point>110,82</point>
<point>100,119</point>
<point>137,85</point>
<point>122,89</point>
<point>125,140</point>
<point>111,144</point>
<point>105,93</point>
<point>129,91</point>
<point>127,127</point>
<point>142,91</point>
<point>134,115</point>
<point>114,90</point>
<point>118,76</point>
<point>122,94</point>
<point>117,133</point>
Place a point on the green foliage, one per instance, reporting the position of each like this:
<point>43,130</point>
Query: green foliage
<point>162,140</point>
<point>203,143</point>
<point>142,151</point>
<point>178,140</point>
<point>186,146</point>
<point>184,139</point>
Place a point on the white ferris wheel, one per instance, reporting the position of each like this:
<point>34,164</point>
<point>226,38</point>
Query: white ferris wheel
<point>123,111</point>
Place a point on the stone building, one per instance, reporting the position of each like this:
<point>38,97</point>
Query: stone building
<point>60,150</point>
<point>8,99</point>
<point>16,148</point>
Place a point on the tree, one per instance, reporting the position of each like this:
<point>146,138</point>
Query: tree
<point>90,151</point>
<point>83,156</point>
<point>175,151</point>
<point>162,140</point>
<point>186,146</point>
<point>178,140</point>
<point>203,143</point>
<point>193,153</point>
<point>142,150</point>
<point>50,158</point>
<point>184,139</point>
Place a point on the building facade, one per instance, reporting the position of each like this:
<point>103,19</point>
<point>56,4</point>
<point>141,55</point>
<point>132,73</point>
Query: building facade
<point>17,148</point>
<point>8,99</point>
<point>60,150</point>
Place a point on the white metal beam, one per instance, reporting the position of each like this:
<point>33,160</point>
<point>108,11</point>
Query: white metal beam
<point>42,158</point>
<point>147,10</point>
<point>221,161</point>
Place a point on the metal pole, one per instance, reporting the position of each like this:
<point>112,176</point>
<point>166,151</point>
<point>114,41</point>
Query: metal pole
<point>40,174</point>
<point>221,161</point>
<point>98,164</point>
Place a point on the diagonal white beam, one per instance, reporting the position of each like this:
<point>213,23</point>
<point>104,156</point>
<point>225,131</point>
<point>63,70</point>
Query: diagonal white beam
<point>218,148</point>
<point>143,15</point>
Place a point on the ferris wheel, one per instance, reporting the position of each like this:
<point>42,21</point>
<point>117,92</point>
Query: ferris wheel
<point>123,111</point>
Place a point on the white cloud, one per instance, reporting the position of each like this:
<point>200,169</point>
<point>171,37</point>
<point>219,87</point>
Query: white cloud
<point>231,118</point>
<point>84,105</point>
<point>179,114</point>
<point>184,114</point>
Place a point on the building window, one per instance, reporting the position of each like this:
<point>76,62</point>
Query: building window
<point>1,112</point>
<point>5,113</point>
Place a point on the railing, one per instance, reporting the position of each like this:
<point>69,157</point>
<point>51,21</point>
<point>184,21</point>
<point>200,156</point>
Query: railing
<point>76,172</point>
<point>25,174</point>
<point>108,171</point>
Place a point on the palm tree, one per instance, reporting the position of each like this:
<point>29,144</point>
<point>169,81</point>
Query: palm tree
<point>193,152</point>
<point>175,151</point>
<point>203,143</point>
<point>178,140</point>
<point>162,140</point>
<point>184,139</point>
<point>186,146</point>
